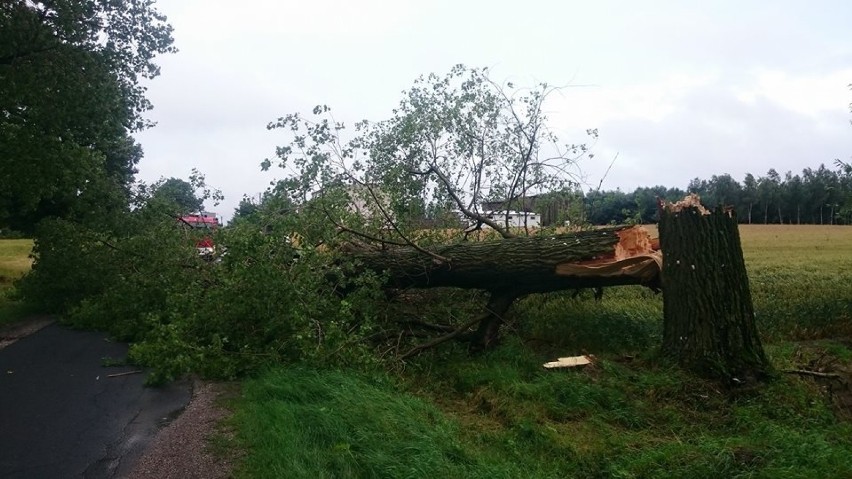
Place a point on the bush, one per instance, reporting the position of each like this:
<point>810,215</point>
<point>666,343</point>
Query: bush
<point>265,299</point>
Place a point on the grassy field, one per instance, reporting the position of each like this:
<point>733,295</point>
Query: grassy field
<point>629,416</point>
<point>14,263</point>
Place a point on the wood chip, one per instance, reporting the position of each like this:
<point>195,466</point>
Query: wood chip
<point>570,362</point>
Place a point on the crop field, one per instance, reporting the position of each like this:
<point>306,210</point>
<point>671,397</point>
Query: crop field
<point>630,415</point>
<point>801,278</point>
<point>14,259</point>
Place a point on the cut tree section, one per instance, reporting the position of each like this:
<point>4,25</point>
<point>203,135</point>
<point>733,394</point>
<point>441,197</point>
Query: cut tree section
<point>519,266</point>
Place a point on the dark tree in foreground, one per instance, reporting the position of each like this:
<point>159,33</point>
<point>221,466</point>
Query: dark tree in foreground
<point>71,95</point>
<point>708,316</point>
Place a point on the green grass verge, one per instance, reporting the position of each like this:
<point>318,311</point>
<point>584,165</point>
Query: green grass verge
<point>504,417</point>
<point>14,263</point>
<point>300,423</point>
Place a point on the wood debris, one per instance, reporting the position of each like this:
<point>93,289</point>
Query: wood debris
<point>571,362</point>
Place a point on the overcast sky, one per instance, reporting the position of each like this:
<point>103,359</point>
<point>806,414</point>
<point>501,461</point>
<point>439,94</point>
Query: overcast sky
<point>678,89</point>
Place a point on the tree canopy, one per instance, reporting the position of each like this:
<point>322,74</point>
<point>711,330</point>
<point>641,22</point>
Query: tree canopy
<point>70,95</point>
<point>179,194</point>
<point>453,143</point>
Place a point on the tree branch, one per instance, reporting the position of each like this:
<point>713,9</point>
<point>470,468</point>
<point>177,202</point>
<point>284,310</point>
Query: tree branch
<point>804,372</point>
<point>407,241</point>
<point>470,214</point>
<point>439,340</point>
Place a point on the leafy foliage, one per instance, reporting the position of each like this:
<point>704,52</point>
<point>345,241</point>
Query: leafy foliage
<point>180,195</point>
<point>69,99</point>
<point>269,297</point>
<point>452,143</point>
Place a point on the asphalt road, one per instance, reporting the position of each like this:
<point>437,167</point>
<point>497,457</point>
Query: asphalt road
<point>61,416</point>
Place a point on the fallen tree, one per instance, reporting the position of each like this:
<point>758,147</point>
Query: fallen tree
<point>511,268</point>
<point>455,144</point>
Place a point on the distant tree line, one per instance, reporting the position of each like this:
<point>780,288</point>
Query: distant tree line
<point>816,196</point>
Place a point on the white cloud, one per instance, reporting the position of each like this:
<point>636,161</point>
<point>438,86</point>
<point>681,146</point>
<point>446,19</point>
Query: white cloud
<point>711,130</point>
<point>677,89</point>
<point>809,95</point>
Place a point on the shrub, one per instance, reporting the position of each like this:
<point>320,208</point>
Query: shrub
<point>265,299</point>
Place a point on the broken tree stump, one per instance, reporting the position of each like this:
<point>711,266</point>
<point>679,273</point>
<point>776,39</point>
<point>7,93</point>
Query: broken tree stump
<point>708,316</point>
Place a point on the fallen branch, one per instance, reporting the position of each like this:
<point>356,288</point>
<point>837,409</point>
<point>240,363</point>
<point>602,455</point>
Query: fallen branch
<point>442,339</point>
<point>803,372</point>
<point>126,373</point>
<point>423,324</point>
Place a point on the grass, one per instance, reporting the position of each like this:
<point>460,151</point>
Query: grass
<point>504,417</point>
<point>629,416</point>
<point>14,263</point>
<point>327,424</point>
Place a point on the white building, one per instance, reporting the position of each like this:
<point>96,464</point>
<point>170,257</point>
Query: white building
<point>517,219</point>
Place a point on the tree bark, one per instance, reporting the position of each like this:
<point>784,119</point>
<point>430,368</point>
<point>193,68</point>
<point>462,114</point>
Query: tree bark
<point>488,332</point>
<point>708,316</point>
<point>516,266</point>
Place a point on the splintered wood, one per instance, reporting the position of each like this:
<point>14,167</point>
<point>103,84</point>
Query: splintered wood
<point>635,255</point>
<point>570,362</point>
<point>689,201</point>
<point>634,242</point>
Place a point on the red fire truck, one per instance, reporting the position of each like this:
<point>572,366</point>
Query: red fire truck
<point>205,221</point>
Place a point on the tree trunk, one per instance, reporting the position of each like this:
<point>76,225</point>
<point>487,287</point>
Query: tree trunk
<point>488,333</point>
<point>708,316</point>
<point>514,267</point>
<point>523,265</point>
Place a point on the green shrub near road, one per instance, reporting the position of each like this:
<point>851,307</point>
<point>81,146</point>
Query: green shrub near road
<point>263,300</point>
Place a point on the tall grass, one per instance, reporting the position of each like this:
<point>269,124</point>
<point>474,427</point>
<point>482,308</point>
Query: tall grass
<point>300,423</point>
